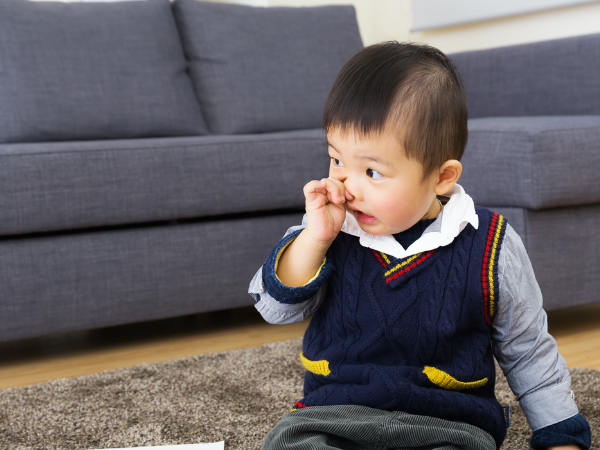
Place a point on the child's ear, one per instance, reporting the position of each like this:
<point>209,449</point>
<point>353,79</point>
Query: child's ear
<point>448,175</point>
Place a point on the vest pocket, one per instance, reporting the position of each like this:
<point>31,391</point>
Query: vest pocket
<point>317,367</point>
<point>447,381</point>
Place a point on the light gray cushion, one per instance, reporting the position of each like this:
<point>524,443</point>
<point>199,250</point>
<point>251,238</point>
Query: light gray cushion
<point>265,69</point>
<point>93,71</point>
<point>556,77</point>
<point>71,185</point>
<point>533,162</point>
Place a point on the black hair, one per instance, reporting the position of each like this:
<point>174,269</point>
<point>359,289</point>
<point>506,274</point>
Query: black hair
<point>412,87</point>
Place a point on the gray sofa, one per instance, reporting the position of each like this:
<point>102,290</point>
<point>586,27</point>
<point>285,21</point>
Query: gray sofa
<point>534,155</point>
<point>151,154</point>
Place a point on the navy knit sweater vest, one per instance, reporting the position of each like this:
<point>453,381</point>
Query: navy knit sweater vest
<point>410,334</point>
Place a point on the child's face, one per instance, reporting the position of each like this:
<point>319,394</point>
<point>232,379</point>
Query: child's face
<point>385,190</point>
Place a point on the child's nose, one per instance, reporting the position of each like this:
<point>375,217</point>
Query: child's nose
<point>349,189</point>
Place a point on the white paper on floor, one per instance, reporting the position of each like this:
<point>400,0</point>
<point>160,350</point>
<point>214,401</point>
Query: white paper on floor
<point>207,446</point>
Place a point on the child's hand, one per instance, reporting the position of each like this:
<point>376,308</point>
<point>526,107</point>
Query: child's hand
<point>325,209</point>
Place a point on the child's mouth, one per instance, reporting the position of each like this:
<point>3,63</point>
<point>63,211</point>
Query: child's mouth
<point>362,217</point>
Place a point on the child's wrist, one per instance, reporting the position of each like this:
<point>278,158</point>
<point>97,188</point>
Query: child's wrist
<point>300,260</point>
<point>319,245</point>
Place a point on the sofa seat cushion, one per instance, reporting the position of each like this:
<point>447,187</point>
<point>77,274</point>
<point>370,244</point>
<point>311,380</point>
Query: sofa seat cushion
<point>265,69</point>
<point>70,185</point>
<point>533,162</point>
<point>96,70</point>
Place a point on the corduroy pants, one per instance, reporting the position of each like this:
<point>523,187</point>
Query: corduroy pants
<point>352,427</point>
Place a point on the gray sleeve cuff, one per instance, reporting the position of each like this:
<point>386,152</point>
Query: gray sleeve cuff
<point>549,405</point>
<point>281,313</point>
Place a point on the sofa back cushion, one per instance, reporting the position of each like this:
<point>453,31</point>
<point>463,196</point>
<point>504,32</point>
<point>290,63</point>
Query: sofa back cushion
<point>264,69</point>
<point>555,77</point>
<point>92,71</point>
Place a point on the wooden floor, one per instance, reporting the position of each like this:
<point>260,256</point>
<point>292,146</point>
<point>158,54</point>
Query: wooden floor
<point>577,331</point>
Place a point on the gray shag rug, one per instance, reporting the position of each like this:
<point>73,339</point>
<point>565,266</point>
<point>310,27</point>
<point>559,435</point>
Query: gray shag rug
<point>234,396</point>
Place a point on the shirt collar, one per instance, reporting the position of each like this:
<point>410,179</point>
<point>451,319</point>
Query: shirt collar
<point>454,217</point>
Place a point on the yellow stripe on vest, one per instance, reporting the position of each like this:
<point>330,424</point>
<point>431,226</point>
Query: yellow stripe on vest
<point>318,367</point>
<point>492,305</point>
<point>402,264</point>
<point>446,381</point>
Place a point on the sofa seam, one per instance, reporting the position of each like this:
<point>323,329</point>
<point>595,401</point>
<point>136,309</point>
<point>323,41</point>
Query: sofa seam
<point>135,148</point>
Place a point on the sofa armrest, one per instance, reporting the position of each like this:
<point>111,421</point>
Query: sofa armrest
<point>556,77</point>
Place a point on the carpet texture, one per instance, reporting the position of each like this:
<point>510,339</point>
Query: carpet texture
<point>234,396</point>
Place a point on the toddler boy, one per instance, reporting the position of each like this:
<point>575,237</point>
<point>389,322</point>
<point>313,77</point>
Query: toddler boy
<point>413,289</point>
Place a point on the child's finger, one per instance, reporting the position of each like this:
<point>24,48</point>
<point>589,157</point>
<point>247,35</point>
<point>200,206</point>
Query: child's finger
<point>336,190</point>
<point>315,189</point>
<point>313,186</point>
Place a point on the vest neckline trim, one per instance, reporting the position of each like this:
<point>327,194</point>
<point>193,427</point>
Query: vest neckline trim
<point>398,267</point>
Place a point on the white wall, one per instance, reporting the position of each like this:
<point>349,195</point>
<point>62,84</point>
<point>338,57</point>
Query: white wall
<point>381,20</point>
<point>391,19</point>
<point>552,24</point>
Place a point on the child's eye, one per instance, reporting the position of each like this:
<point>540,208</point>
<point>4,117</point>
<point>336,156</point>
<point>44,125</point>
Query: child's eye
<point>337,162</point>
<point>372,173</point>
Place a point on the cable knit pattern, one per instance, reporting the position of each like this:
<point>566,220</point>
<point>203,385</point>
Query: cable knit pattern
<point>574,430</point>
<point>378,334</point>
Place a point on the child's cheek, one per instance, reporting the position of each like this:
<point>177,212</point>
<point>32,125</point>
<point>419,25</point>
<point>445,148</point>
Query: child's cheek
<point>392,207</point>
